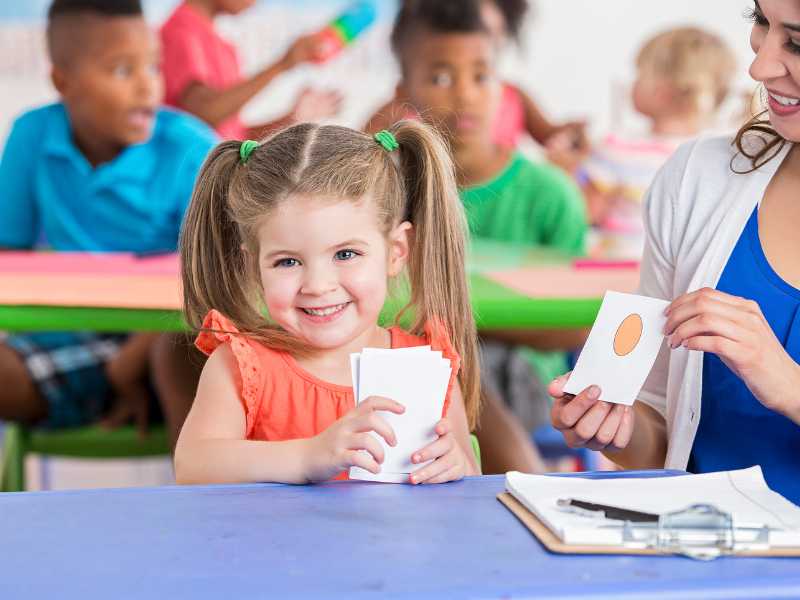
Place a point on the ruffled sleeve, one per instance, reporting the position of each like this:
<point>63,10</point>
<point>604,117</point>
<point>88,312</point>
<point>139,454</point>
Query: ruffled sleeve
<point>436,336</point>
<point>218,330</point>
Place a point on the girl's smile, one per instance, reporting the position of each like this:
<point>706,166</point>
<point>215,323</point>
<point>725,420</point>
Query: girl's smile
<point>325,314</point>
<point>325,266</point>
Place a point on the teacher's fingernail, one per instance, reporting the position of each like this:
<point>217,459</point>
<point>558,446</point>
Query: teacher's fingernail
<point>594,392</point>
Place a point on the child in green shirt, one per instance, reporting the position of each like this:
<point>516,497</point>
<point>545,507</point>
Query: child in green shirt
<point>448,64</point>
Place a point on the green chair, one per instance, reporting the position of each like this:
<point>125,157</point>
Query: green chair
<point>86,442</point>
<point>476,448</point>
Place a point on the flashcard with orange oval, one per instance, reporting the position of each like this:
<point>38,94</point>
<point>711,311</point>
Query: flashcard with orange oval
<point>621,348</point>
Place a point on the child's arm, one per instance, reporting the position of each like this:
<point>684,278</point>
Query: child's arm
<point>215,106</point>
<point>388,114</point>
<point>451,453</point>
<point>311,105</point>
<point>19,214</point>
<point>538,126</point>
<point>212,447</point>
<point>126,373</point>
<point>544,131</point>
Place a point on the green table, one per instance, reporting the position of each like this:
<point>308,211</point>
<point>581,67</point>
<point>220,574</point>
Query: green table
<point>496,307</point>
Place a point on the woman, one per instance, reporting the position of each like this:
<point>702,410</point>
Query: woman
<point>722,222</point>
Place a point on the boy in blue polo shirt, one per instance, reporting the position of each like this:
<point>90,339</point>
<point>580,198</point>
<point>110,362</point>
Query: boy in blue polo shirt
<point>104,170</point>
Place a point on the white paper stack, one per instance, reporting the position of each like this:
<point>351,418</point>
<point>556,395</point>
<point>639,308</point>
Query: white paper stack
<point>415,377</point>
<point>743,494</point>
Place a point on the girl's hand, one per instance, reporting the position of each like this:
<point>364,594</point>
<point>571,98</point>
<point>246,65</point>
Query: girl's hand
<point>449,461</point>
<point>586,422</point>
<point>735,330</point>
<point>349,443</point>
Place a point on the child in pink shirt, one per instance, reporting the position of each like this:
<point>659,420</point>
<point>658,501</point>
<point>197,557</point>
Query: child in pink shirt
<point>203,76</point>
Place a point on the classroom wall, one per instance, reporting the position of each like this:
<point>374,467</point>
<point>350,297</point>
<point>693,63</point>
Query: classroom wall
<point>577,55</point>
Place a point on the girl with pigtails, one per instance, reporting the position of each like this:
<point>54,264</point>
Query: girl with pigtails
<point>288,251</point>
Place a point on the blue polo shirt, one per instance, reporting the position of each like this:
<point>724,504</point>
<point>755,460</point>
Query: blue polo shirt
<point>52,196</point>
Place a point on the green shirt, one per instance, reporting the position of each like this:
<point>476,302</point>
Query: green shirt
<point>528,203</point>
<point>535,204</point>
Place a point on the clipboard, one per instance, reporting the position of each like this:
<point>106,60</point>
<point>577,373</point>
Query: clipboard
<point>668,541</point>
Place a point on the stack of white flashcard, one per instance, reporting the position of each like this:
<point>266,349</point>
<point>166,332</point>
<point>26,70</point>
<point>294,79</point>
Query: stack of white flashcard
<point>415,377</point>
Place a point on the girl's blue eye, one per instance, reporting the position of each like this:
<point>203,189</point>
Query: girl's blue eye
<point>346,254</point>
<point>286,263</point>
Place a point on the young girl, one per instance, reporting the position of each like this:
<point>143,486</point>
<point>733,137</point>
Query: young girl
<point>683,77</point>
<point>312,225</point>
<point>517,113</point>
<point>202,74</point>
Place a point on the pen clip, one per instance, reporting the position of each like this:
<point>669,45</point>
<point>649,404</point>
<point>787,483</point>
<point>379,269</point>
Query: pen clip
<point>565,505</point>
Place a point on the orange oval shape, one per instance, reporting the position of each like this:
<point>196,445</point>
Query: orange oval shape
<point>628,335</point>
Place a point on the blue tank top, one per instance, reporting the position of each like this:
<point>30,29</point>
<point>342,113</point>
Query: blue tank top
<point>736,430</point>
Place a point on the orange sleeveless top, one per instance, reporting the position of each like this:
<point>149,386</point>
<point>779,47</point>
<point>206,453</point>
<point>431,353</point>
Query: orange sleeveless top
<point>281,400</point>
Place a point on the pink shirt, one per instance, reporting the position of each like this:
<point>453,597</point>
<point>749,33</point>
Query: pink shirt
<point>193,52</point>
<point>509,123</point>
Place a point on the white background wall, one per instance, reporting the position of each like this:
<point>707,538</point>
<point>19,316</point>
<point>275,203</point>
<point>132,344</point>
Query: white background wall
<point>576,52</point>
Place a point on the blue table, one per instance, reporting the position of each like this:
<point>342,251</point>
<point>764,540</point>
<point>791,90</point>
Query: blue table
<point>345,540</point>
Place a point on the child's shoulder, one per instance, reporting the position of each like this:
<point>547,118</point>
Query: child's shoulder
<point>184,17</point>
<point>175,127</point>
<point>41,122</point>
<point>434,334</point>
<point>525,175</point>
<point>218,330</point>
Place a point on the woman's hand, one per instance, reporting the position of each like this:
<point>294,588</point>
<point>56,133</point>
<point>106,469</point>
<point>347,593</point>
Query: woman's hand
<point>349,442</point>
<point>586,422</point>
<point>450,463</point>
<point>735,330</point>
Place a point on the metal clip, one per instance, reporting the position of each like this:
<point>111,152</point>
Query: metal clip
<point>700,531</point>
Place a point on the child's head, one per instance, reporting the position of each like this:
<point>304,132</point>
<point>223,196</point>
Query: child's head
<point>447,58</point>
<point>229,7</point>
<point>313,225</point>
<point>105,67</point>
<point>504,18</point>
<point>683,72</point>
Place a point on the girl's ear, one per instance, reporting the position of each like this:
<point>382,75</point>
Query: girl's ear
<point>400,239</point>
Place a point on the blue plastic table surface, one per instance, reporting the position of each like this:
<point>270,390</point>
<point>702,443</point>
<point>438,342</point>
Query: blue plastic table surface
<point>337,540</point>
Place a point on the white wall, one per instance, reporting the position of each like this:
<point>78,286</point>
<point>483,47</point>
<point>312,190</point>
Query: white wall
<point>578,49</point>
<point>575,52</point>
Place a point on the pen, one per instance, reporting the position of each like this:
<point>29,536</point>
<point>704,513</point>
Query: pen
<point>609,512</point>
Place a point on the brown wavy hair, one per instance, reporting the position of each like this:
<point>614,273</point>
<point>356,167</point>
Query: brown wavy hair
<point>219,242</point>
<point>758,142</point>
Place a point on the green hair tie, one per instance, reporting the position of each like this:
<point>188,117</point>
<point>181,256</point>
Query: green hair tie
<point>386,139</point>
<point>246,149</point>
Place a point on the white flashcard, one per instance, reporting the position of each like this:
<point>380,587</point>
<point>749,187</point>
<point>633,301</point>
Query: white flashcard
<point>417,378</point>
<point>621,348</point>
<point>355,367</point>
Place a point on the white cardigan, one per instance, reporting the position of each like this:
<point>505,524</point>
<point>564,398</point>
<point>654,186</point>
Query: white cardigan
<point>695,212</point>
